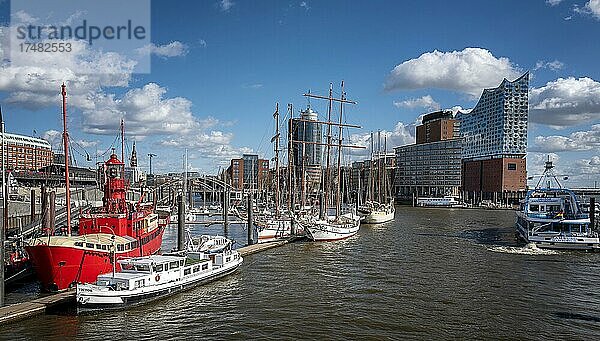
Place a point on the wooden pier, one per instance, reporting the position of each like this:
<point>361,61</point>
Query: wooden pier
<point>19,311</point>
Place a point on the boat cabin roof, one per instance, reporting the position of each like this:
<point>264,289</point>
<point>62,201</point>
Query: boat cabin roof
<point>149,260</point>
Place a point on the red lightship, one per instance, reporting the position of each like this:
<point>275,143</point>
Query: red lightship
<point>129,229</point>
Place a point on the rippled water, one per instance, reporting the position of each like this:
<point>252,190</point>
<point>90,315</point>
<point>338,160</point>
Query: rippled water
<point>432,273</point>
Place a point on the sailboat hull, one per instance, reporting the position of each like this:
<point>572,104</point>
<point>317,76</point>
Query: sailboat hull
<point>379,217</point>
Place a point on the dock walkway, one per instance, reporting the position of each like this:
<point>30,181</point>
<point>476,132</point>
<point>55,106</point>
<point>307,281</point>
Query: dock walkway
<point>19,311</point>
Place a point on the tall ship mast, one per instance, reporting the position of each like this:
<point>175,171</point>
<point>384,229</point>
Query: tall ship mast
<point>118,229</point>
<point>341,225</point>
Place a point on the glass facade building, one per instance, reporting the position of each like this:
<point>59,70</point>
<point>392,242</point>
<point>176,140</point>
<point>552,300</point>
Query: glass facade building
<point>497,126</point>
<point>428,169</point>
<point>312,153</point>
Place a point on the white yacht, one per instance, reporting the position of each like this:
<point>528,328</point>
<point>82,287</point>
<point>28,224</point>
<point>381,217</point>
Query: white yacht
<point>270,228</point>
<point>208,244</point>
<point>552,218</point>
<point>376,213</point>
<point>329,229</point>
<point>146,278</point>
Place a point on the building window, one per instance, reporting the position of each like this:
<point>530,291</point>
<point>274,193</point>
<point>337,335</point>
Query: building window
<point>512,166</point>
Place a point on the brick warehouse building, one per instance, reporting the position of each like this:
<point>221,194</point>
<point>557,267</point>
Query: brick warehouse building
<point>27,153</point>
<point>494,144</point>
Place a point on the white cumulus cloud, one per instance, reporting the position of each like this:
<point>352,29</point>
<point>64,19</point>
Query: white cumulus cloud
<point>426,102</point>
<point>469,71</point>
<point>565,102</point>
<point>576,141</point>
<point>172,49</point>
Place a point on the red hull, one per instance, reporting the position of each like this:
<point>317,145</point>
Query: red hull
<point>58,267</point>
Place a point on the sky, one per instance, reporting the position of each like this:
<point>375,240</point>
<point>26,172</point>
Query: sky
<point>219,67</point>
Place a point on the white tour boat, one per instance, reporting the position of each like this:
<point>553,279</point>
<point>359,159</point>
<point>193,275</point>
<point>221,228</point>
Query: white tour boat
<point>446,201</point>
<point>146,278</point>
<point>552,218</point>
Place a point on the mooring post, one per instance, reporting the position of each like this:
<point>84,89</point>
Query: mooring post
<point>52,212</point>
<point>321,206</point>
<point>225,212</point>
<point>250,220</point>
<point>32,205</point>
<point>180,223</point>
<point>593,213</point>
<point>356,203</point>
<point>45,216</point>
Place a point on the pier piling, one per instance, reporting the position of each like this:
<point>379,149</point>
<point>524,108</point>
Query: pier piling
<point>32,205</point>
<point>225,212</point>
<point>250,220</point>
<point>593,212</point>
<point>180,223</point>
<point>52,212</point>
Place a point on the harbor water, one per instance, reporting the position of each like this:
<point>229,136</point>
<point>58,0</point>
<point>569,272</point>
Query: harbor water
<point>430,274</point>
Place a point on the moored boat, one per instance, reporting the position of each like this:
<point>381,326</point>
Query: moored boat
<point>376,213</point>
<point>143,279</point>
<point>331,228</point>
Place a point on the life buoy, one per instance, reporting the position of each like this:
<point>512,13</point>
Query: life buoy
<point>157,278</point>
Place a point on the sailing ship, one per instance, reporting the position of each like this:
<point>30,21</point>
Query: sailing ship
<point>118,228</point>
<point>339,226</point>
<point>381,210</point>
<point>273,226</point>
<point>551,217</point>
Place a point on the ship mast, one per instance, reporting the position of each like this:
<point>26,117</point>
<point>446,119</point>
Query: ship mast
<point>339,156</point>
<point>329,144</point>
<point>276,140</point>
<point>328,150</point>
<point>371,177</point>
<point>66,147</point>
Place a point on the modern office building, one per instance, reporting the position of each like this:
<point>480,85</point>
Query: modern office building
<point>432,166</point>
<point>308,156</point>
<point>495,143</point>
<point>248,172</point>
<point>428,169</point>
<point>27,153</point>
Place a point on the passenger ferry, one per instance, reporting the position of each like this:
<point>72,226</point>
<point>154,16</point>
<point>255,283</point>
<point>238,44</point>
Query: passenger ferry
<point>446,201</point>
<point>552,218</point>
<point>143,279</point>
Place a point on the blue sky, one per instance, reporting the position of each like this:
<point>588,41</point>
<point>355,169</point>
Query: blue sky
<point>222,65</point>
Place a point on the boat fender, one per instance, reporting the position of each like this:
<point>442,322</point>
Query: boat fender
<point>157,278</point>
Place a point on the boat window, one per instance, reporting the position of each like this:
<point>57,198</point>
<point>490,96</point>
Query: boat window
<point>98,246</point>
<point>140,283</point>
<point>78,243</point>
<point>158,268</point>
<point>166,266</point>
<point>196,268</point>
<point>142,267</point>
<point>104,247</point>
<point>187,271</point>
<point>127,266</point>
<point>204,266</point>
<point>542,208</point>
<point>181,262</point>
<point>227,259</point>
<point>89,245</point>
<point>174,265</point>
<point>534,208</point>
